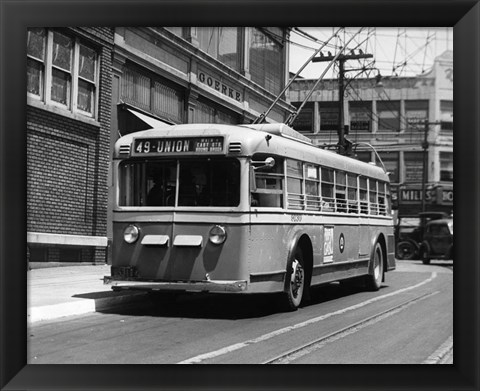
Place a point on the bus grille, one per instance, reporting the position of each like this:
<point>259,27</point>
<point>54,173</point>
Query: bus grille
<point>235,147</point>
<point>125,149</point>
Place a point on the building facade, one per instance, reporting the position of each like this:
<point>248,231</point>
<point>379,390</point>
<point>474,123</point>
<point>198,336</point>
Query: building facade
<point>69,79</point>
<point>395,115</point>
<point>197,74</point>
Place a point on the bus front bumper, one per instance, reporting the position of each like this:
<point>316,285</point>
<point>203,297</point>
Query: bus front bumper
<point>191,286</point>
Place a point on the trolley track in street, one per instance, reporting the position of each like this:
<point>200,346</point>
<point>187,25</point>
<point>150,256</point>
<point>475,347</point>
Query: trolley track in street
<point>292,355</point>
<point>214,355</point>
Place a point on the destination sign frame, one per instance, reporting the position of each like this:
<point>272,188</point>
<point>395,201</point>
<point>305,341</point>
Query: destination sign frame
<point>160,146</point>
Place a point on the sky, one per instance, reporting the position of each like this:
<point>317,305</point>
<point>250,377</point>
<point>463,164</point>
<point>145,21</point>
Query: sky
<point>396,51</point>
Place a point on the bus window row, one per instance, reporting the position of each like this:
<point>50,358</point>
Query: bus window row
<point>312,187</point>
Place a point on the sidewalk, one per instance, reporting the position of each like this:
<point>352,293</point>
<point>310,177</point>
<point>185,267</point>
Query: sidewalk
<point>72,290</point>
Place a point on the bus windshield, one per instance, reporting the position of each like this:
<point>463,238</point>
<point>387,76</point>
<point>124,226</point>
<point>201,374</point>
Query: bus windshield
<point>204,182</point>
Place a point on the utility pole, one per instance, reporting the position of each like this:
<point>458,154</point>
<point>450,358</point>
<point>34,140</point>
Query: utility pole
<point>342,145</point>
<point>425,163</point>
<point>425,159</point>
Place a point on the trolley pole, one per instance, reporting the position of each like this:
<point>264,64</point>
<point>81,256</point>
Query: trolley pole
<point>342,145</point>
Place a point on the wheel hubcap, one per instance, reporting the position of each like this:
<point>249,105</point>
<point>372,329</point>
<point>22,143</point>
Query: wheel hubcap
<point>296,278</point>
<point>377,265</point>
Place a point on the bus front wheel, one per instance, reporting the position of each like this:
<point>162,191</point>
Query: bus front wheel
<point>294,281</point>
<point>374,280</point>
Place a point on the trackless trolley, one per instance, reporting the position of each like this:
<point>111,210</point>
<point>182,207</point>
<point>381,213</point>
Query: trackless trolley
<point>246,209</point>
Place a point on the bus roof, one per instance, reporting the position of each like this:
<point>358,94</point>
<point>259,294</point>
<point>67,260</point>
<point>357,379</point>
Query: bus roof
<point>246,140</point>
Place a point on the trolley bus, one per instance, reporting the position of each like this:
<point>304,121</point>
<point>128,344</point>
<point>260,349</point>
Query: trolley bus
<point>245,209</point>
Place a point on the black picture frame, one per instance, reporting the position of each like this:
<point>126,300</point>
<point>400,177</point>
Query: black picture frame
<point>16,16</point>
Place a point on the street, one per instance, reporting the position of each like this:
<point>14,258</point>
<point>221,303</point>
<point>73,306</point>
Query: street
<point>408,321</point>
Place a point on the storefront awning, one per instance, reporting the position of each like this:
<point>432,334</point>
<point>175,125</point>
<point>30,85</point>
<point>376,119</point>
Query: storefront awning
<point>152,122</point>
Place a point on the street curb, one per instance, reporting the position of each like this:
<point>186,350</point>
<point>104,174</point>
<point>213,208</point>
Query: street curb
<point>83,306</point>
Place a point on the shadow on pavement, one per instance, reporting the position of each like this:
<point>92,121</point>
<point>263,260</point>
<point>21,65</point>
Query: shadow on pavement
<point>224,306</point>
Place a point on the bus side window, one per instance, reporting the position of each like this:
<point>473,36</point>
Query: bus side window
<point>340,196</point>
<point>373,196</point>
<point>363,195</point>
<point>312,182</point>
<point>327,184</point>
<point>268,184</point>
<point>382,206</point>
<point>295,196</point>
<point>352,193</point>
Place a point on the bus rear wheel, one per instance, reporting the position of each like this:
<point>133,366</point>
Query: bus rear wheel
<point>374,281</point>
<point>294,282</point>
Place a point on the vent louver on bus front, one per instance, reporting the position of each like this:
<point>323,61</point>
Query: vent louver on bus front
<point>124,149</point>
<point>235,147</point>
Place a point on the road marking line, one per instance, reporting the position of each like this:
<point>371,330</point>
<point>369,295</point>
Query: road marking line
<point>349,330</point>
<point>265,337</point>
<point>438,355</point>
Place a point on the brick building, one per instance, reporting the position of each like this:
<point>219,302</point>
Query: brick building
<point>391,117</point>
<point>69,79</point>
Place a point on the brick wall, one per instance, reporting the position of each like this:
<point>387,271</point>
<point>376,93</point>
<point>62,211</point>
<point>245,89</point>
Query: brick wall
<point>67,163</point>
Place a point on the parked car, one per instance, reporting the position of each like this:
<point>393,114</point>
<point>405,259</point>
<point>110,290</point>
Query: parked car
<point>409,233</point>
<point>437,240</point>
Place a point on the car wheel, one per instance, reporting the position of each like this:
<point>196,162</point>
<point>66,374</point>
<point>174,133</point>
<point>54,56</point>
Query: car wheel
<point>405,250</point>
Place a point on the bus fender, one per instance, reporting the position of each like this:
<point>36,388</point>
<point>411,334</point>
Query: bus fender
<point>301,239</point>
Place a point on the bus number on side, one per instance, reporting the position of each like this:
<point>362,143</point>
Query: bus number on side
<point>296,218</point>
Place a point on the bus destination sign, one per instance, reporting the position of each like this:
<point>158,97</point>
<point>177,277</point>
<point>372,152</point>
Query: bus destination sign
<point>178,145</point>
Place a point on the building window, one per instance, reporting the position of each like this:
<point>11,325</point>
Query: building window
<point>446,115</point>
<point>446,166</point>
<point>211,114</point>
<point>388,113</point>
<point>304,121</point>
<point>86,79</point>
<point>222,43</point>
<point>36,44</point>
<point>363,156</point>
<point>266,59</point>
<point>360,116</point>
<point>329,117</point>
<point>153,95</point>
<point>391,161</point>
<point>413,162</point>
<point>416,113</point>
<point>69,67</point>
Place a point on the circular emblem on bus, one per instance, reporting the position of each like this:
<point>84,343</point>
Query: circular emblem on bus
<point>341,242</point>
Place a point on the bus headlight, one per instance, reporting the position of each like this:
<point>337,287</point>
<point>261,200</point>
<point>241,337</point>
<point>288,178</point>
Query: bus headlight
<point>130,235</point>
<point>218,235</point>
